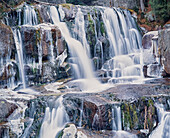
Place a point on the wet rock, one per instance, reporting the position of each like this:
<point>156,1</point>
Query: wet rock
<point>164,47</point>
<point>91,107</point>
<point>6,109</point>
<point>129,4</point>
<point>80,134</point>
<point>36,111</point>
<point>52,1</point>
<point>147,39</point>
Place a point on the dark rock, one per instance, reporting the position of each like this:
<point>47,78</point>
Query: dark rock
<point>164,47</point>
<point>6,109</point>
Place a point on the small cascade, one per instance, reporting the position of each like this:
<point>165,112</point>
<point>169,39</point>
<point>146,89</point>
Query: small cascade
<point>116,118</point>
<point>96,123</point>
<point>30,16</point>
<point>19,16</point>
<point>125,64</point>
<point>80,31</point>
<point>55,120</point>
<point>81,113</point>
<point>98,43</point>
<point>18,43</point>
<point>154,67</point>
<point>52,58</point>
<point>163,128</point>
<point>76,48</point>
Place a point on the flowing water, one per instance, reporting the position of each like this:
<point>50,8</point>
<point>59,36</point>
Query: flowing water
<point>30,16</point>
<point>55,120</point>
<point>18,43</point>
<point>116,118</point>
<point>163,128</point>
<point>80,31</point>
<point>77,50</point>
<point>125,47</point>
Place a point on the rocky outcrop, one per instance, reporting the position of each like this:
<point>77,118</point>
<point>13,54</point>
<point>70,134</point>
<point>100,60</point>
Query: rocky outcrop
<point>51,1</point>
<point>164,47</point>
<point>129,4</point>
<point>147,39</point>
<point>6,109</point>
<point>7,54</point>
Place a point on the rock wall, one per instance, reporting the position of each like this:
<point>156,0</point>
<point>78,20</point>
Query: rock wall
<point>129,4</point>
<point>7,52</point>
<point>164,47</point>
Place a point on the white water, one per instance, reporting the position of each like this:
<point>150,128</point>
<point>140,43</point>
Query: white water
<point>98,43</point>
<point>55,120</point>
<point>163,128</point>
<point>81,114</point>
<point>30,16</point>
<point>18,43</point>
<point>116,118</point>
<point>80,31</point>
<point>76,48</point>
<point>125,43</point>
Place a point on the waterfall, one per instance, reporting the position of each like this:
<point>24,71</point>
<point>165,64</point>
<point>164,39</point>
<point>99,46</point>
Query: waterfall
<point>55,120</point>
<point>77,51</point>
<point>80,31</point>
<point>98,43</point>
<point>18,43</point>
<point>81,113</point>
<point>116,118</point>
<point>30,16</point>
<point>125,46</point>
<point>163,128</point>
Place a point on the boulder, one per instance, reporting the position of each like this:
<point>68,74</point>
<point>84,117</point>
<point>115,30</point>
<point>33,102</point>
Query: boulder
<point>6,109</point>
<point>147,39</point>
<point>164,47</point>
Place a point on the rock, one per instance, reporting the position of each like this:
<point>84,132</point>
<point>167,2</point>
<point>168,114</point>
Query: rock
<point>70,132</point>
<point>6,109</point>
<point>164,47</point>
<point>147,39</point>
<point>51,1</point>
<point>80,134</point>
<point>129,4</point>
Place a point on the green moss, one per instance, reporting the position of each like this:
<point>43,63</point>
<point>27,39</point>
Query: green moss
<point>102,28</point>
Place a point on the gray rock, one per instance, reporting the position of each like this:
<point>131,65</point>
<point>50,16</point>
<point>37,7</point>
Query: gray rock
<point>6,109</point>
<point>164,47</point>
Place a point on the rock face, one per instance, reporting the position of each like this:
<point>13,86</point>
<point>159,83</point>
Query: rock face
<point>7,52</point>
<point>6,109</point>
<point>53,1</point>
<point>164,46</point>
<point>147,39</point>
<point>130,4</point>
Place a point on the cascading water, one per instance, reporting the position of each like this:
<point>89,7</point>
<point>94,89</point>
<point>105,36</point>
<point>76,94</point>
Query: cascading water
<point>125,43</point>
<point>55,120</point>
<point>18,43</point>
<point>98,44</point>
<point>163,128</point>
<point>30,16</point>
<point>81,113</point>
<point>83,63</point>
<point>80,31</point>
<point>116,118</point>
